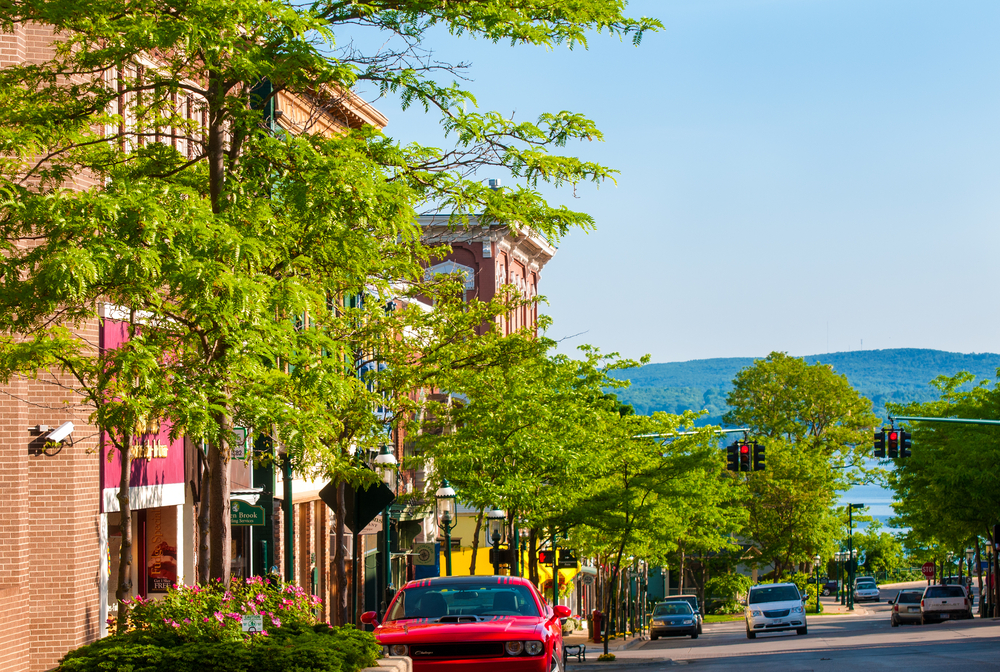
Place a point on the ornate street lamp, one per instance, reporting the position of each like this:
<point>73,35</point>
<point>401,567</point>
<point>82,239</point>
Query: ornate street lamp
<point>447,517</point>
<point>496,519</point>
<point>852,554</point>
<point>386,464</point>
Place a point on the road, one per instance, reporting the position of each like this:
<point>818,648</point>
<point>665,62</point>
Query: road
<point>856,642</point>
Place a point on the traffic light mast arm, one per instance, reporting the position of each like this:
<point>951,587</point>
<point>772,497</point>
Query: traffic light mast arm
<point>961,421</point>
<point>740,430</point>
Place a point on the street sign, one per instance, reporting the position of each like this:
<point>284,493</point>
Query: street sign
<point>370,502</point>
<point>242,513</point>
<point>373,527</point>
<point>567,559</point>
<point>252,623</point>
<point>240,442</point>
<point>424,554</point>
<point>928,569</point>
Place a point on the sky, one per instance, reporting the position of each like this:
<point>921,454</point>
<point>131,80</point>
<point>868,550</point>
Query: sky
<point>806,176</point>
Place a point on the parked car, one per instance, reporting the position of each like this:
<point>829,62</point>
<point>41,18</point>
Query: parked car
<point>774,607</point>
<point>829,587</point>
<point>864,579</point>
<point>905,607</point>
<point>866,591</point>
<point>674,617</point>
<point>485,623</point>
<point>691,600</point>
<point>940,603</point>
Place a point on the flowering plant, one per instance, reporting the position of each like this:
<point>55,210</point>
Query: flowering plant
<point>216,611</point>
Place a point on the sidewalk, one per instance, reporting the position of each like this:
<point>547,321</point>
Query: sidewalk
<point>616,646</point>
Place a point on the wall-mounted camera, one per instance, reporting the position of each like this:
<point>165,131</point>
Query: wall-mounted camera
<point>61,432</point>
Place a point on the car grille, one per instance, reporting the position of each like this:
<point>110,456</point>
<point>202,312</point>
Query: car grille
<point>461,650</point>
<point>777,613</point>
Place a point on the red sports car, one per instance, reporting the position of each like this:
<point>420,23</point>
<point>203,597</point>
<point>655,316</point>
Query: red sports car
<point>481,623</point>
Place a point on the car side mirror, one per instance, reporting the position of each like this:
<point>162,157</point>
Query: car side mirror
<point>560,611</point>
<point>890,601</point>
<point>369,618</point>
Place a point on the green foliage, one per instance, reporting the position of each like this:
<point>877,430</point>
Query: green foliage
<point>731,588</point>
<point>883,551</point>
<point>198,629</point>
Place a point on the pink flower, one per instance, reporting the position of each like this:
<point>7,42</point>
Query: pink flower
<point>264,632</point>
<point>205,620</point>
<point>276,622</point>
<point>188,620</point>
<point>111,620</point>
<point>219,616</point>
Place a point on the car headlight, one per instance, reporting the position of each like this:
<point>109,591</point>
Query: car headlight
<point>513,648</point>
<point>686,621</point>
<point>534,648</point>
<point>397,649</point>
<point>796,610</point>
<point>755,613</point>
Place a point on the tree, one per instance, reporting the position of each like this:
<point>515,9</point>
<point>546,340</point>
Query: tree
<point>245,242</point>
<point>883,551</point>
<point>817,430</point>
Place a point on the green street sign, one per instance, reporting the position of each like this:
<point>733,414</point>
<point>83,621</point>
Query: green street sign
<point>241,513</point>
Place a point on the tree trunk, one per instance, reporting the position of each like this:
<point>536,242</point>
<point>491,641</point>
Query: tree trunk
<point>340,559</point>
<point>125,516</point>
<point>204,521</point>
<point>219,538</point>
<point>680,584</point>
<point>475,541</point>
<point>612,593</point>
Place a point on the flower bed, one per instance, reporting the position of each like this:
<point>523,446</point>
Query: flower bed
<point>199,629</point>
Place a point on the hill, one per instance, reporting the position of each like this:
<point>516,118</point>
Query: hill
<point>898,375</point>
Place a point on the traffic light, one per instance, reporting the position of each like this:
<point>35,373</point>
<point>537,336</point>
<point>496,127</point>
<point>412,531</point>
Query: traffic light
<point>546,557</point>
<point>905,443</point>
<point>733,457</point>
<point>880,443</point>
<point>758,457</point>
<point>744,457</point>
<point>893,443</point>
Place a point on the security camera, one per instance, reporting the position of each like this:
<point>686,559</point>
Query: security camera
<point>61,432</point>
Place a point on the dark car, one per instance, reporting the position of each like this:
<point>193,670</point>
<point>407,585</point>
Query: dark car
<point>829,587</point>
<point>673,618</point>
<point>692,601</point>
<point>905,607</point>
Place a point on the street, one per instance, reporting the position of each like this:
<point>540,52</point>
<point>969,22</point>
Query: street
<point>862,641</point>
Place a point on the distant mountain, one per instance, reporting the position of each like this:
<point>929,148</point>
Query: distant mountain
<point>898,375</point>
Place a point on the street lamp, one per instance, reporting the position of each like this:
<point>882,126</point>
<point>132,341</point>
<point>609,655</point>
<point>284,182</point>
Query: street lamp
<point>816,560</point>
<point>495,520</point>
<point>850,552</point>
<point>385,464</point>
<point>447,518</point>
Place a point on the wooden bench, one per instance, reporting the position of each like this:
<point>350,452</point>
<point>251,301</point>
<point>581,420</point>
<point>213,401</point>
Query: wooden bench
<point>577,650</point>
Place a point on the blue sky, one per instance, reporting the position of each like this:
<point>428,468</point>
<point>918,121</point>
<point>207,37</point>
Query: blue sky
<point>796,175</point>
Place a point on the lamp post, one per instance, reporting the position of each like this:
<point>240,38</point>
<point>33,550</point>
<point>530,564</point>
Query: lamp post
<point>850,552</point>
<point>385,464</point>
<point>447,518</point>
<point>841,593</point>
<point>496,519</point>
<point>816,560</point>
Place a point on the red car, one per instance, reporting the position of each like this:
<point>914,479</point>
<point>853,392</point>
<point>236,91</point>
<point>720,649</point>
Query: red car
<point>482,623</point>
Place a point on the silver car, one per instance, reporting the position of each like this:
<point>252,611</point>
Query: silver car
<point>866,591</point>
<point>905,607</point>
<point>673,618</point>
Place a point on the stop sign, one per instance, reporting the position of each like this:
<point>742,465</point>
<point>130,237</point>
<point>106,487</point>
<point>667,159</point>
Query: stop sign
<point>928,569</point>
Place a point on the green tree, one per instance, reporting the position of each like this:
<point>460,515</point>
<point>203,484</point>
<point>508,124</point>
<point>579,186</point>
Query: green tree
<point>243,243</point>
<point>883,551</point>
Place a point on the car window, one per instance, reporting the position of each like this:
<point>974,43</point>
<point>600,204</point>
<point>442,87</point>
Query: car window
<point>672,609</point>
<point>465,599</point>
<point>692,600</point>
<point>774,594</point>
<point>866,586</point>
<point>945,591</point>
<point>909,598</point>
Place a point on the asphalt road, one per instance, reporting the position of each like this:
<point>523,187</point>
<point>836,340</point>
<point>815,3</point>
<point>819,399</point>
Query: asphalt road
<point>856,642</point>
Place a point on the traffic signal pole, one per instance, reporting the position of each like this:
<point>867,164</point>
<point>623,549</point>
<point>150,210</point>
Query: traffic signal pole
<point>960,421</point>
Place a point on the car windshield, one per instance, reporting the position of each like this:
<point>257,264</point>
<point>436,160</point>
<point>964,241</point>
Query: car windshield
<point>866,586</point>
<point>909,598</point>
<point>693,601</point>
<point>672,609</point>
<point>464,599</point>
<point>945,591</point>
<point>774,594</point>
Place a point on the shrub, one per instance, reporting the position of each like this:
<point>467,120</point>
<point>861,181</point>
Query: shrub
<point>198,629</point>
<point>730,587</point>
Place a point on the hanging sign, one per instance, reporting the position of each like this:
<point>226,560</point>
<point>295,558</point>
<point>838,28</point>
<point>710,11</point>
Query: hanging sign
<point>242,513</point>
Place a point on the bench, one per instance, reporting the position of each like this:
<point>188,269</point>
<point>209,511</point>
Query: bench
<point>577,650</point>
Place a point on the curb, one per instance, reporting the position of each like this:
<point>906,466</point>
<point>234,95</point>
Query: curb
<point>621,663</point>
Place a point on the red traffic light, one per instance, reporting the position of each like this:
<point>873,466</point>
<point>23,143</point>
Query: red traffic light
<point>893,436</point>
<point>744,448</point>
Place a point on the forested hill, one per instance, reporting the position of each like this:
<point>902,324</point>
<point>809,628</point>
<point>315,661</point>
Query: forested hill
<point>899,375</point>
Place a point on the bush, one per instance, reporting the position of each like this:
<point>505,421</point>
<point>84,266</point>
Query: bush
<point>570,626</point>
<point>198,629</point>
<point>730,587</point>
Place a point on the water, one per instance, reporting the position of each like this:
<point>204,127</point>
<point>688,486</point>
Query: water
<point>878,501</point>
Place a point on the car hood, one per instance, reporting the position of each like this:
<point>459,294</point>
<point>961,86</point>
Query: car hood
<point>491,628</point>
